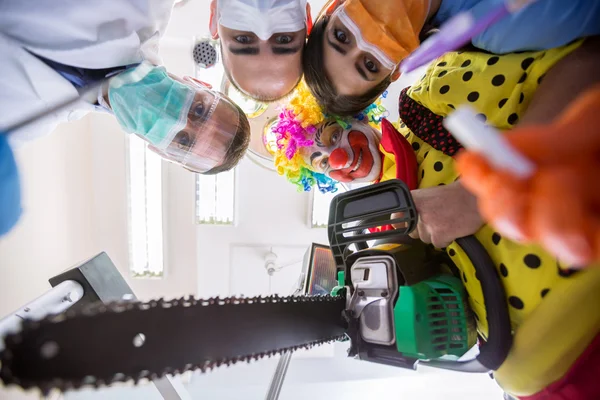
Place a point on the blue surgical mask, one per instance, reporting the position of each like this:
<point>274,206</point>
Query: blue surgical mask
<point>149,103</point>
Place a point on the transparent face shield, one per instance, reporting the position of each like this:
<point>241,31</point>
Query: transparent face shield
<point>204,140</point>
<point>182,119</point>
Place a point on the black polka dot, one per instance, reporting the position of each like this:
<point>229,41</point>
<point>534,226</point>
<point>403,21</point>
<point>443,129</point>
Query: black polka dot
<point>492,60</point>
<point>438,166</point>
<point>502,103</point>
<point>464,277</point>
<point>466,63</point>
<point>498,80</point>
<point>503,270</point>
<point>523,77</point>
<point>496,238</point>
<point>452,252</point>
<point>567,272</point>
<point>526,63</point>
<point>513,118</point>
<point>481,117</point>
<point>451,106</point>
<point>540,79</point>
<point>441,184</point>
<point>467,76</point>
<point>516,302</point>
<point>442,64</point>
<point>425,155</point>
<point>444,89</point>
<point>407,135</point>
<point>403,125</point>
<point>521,98</point>
<point>473,96</point>
<point>416,146</point>
<point>532,261</point>
<point>544,292</point>
<point>422,174</point>
<point>442,74</point>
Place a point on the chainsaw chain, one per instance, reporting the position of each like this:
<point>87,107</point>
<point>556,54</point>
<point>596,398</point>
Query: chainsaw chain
<point>13,339</point>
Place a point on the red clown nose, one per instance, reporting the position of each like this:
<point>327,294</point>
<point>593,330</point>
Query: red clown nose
<point>338,159</point>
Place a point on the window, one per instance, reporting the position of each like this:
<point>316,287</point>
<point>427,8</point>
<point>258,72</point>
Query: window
<point>215,193</point>
<point>215,198</point>
<point>320,208</point>
<point>144,177</point>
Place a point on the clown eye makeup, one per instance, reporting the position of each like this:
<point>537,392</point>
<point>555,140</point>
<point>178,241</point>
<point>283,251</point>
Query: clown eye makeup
<point>335,137</point>
<point>324,163</point>
<point>328,134</point>
<point>319,161</point>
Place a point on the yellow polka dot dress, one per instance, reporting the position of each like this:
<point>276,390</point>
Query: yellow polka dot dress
<point>500,88</point>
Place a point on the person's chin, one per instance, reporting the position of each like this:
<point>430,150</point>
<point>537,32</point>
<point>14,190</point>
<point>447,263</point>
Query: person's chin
<point>262,86</point>
<point>366,179</point>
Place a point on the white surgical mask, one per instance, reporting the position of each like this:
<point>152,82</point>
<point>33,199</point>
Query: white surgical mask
<point>262,17</point>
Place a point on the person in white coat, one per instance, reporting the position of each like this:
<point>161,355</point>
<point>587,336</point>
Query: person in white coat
<point>51,51</point>
<point>261,44</point>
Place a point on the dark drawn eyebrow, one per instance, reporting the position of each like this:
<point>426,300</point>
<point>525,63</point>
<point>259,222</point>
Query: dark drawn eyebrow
<point>335,46</point>
<point>245,51</point>
<point>361,72</point>
<point>286,50</point>
<point>315,155</point>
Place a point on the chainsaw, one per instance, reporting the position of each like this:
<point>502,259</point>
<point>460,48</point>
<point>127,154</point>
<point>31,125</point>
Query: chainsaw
<point>397,301</point>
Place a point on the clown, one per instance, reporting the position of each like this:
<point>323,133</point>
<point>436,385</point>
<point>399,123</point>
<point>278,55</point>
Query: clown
<point>557,333</point>
<point>338,150</point>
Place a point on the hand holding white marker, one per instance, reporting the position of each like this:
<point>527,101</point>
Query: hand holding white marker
<point>479,137</point>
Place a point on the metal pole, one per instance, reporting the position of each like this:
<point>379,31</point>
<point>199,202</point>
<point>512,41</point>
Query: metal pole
<point>279,376</point>
<point>54,301</point>
<point>171,388</point>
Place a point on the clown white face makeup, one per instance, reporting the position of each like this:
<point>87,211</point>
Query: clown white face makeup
<point>346,155</point>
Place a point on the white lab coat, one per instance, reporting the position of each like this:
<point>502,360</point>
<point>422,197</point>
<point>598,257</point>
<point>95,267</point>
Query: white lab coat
<point>80,33</point>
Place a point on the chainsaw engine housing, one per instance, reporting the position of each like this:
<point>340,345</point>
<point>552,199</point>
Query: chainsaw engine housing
<point>404,300</point>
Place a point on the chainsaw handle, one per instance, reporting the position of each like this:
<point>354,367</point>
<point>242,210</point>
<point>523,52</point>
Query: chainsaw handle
<point>499,341</point>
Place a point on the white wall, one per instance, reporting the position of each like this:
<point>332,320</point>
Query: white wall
<point>110,213</point>
<point>270,213</point>
<point>56,228</point>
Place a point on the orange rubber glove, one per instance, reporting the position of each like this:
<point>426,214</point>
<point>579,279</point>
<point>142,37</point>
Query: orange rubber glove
<point>559,205</point>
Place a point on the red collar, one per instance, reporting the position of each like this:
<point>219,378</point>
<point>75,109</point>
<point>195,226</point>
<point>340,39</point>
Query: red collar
<point>406,161</point>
